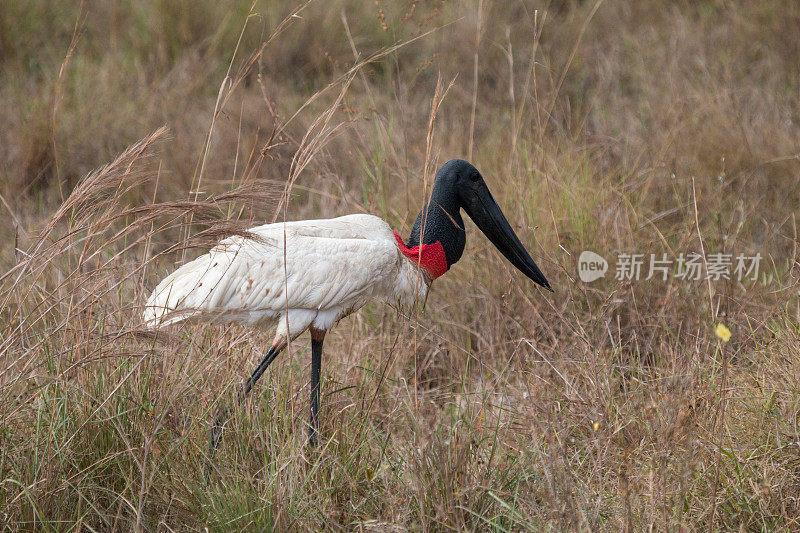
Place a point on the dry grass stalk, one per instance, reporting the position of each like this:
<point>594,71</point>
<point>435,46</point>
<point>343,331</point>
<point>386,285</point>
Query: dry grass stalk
<point>607,406</point>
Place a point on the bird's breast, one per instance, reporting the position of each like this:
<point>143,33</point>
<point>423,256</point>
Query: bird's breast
<point>412,283</point>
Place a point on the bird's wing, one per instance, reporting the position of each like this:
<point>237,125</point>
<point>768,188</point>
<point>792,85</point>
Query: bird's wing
<point>316,270</point>
<point>313,272</point>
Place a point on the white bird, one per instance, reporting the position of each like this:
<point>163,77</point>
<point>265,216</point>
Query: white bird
<point>310,274</point>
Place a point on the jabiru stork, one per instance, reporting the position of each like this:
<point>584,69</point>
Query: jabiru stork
<point>308,275</point>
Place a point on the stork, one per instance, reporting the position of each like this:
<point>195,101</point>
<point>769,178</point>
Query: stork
<point>308,275</point>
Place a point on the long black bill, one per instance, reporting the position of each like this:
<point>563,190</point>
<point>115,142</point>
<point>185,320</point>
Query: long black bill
<point>486,214</point>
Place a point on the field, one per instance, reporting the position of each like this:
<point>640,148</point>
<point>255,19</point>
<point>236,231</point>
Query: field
<point>135,135</point>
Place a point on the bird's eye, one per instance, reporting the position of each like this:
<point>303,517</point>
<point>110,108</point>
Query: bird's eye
<point>474,176</point>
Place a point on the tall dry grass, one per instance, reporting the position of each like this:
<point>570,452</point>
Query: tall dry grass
<point>137,134</point>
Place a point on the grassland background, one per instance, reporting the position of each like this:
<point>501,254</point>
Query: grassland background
<point>649,127</point>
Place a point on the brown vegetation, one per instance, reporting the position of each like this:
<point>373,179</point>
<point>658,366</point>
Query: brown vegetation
<point>635,127</point>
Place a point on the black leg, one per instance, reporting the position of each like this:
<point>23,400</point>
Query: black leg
<point>215,435</point>
<point>316,367</point>
<point>262,366</point>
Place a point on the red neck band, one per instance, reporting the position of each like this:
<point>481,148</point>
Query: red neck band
<point>431,257</point>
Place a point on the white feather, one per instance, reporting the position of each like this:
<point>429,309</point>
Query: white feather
<point>311,272</point>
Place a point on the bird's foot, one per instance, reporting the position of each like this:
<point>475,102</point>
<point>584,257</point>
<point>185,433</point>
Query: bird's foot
<point>214,438</point>
<point>315,438</point>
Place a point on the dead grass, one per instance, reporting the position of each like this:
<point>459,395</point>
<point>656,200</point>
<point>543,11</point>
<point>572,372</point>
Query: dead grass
<point>611,126</point>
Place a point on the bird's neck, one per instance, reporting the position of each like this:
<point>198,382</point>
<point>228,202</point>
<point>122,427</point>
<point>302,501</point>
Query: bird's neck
<point>437,238</point>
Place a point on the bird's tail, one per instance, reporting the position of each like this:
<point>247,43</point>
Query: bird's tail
<point>185,293</point>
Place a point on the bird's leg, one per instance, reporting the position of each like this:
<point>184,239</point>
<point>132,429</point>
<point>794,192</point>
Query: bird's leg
<point>215,435</point>
<point>277,345</point>
<point>317,337</point>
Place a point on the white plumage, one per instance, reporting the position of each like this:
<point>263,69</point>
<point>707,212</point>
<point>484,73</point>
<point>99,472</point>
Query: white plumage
<point>313,272</point>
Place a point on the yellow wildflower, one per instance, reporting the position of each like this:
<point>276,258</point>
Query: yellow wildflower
<point>596,426</point>
<point>722,332</point>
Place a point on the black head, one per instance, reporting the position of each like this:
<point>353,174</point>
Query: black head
<point>459,185</point>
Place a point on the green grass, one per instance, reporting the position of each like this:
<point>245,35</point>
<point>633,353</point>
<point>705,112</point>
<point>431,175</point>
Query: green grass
<point>604,406</point>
